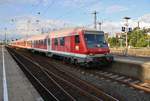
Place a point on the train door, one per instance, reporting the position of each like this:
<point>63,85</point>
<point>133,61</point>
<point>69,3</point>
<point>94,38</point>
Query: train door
<point>68,44</point>
<point>78,44</point>
<point>75,43</point>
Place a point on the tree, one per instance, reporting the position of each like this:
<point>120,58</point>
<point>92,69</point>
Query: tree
<point>137,38</point>
<point>142,42</point>
<point>113,42</point>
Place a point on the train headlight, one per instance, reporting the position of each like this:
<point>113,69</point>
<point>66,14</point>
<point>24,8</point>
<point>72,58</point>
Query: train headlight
<point>77,47</point>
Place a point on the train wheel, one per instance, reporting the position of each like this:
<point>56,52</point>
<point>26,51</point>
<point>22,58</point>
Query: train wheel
<point>87,65</point>
<point>75,62</point>
<point>69,60</point>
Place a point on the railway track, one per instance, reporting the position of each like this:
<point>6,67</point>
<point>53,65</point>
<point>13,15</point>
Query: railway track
<point>117,77</point>
<point>104,74</point>
<point>56,85</point>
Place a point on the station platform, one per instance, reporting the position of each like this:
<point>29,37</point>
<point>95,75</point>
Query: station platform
<point>136,59</point>
<point>132,66</point>
<point>17,87</point>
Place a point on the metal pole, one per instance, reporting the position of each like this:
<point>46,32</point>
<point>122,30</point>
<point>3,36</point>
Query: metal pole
<point>126,31</point>
<point>27,31</point>
<point>5,36</point>
<point>100,26</point>
<point>95,19</point>
<point>149,42</point>
<point>126,24</point>
<point>138,24</point>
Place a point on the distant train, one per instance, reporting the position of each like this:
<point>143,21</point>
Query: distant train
<point>77,45</point>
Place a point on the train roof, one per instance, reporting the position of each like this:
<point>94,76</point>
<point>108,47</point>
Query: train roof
<point>74,30</point>
<point>71,31</point>
<point>59,33</point>
<point>37,37</point>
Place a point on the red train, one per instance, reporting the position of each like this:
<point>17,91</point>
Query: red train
<point>78,45</point>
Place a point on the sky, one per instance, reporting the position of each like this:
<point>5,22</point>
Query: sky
<point>18,17</point>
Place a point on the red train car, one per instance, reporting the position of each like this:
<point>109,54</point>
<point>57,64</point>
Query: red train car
<point>81,46</point>
<point>78,45</point>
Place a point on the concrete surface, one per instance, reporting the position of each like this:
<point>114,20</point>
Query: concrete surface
<point>19,87</point>
<point>1,76</point>
<point>143,52</point>
<point>132,66</point>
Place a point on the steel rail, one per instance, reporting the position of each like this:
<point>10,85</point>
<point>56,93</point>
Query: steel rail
<point>47,90</point>
<point>84,83</point>
<point>47,73</point>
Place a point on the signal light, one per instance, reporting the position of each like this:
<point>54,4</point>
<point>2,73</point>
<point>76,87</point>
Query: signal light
<point>130,29</point>
<point>123,29</point>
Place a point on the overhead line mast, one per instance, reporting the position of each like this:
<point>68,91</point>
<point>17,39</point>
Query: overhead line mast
<point>95,19</point>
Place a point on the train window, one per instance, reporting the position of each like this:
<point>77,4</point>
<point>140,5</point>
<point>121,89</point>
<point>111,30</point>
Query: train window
<point>45,41</point>
<point>77,39</point>
<point>62,41</point>
<point>56,41</point>
<point>95,40</point>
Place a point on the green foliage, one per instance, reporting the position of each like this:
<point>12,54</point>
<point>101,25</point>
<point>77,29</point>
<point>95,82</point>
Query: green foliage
<point>113,42</point>
<point>142,42</point>
<point>136,38</point>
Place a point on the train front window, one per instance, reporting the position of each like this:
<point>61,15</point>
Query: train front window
<point>95,40</point>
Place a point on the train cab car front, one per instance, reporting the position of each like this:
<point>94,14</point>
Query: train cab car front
<point>98,52</point>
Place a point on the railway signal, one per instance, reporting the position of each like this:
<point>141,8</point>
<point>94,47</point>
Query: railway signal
<point>126,29</point>
<point>123,29</point>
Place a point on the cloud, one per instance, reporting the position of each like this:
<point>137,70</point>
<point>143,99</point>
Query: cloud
<point>16,1</point>
<point>111,27</point>
<point>116,9</point>
<point>98,6</point>
<point>37,25</point>
<point>85,4</point>
<point>145,18</point>
<point>32,25</point>
<point>33,2</point>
